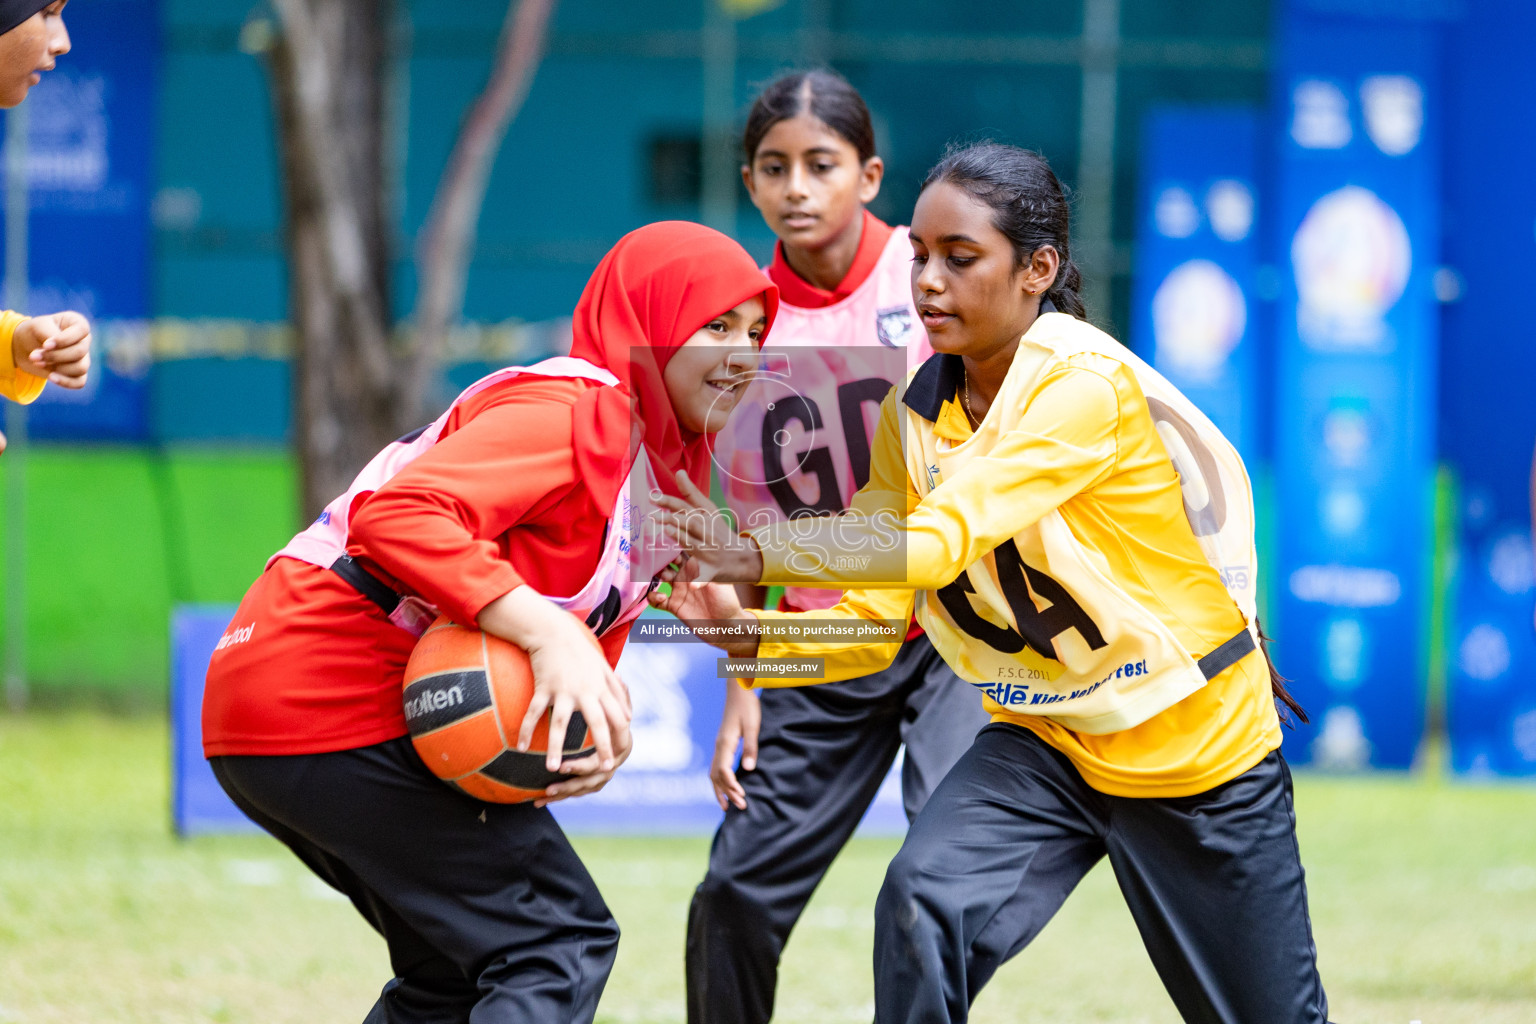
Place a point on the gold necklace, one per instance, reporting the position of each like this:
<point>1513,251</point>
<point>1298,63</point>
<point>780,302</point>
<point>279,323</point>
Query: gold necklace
<point>965,390</point>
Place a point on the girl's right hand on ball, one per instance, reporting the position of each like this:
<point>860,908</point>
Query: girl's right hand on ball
<point>584,776</point>
<point>570,673</point>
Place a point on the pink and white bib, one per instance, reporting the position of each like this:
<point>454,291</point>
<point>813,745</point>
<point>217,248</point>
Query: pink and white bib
<point>798,443</point>
<point>632,553</point>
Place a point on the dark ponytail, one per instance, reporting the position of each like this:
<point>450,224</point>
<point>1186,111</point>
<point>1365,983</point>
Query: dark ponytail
<point>1289,704</point>
<point>1029,205</point>
<point>825,95</point>
<point>1064,291</point>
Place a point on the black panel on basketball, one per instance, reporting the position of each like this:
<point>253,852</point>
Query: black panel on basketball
<point>574,734</point>
<point>435,701</point>
<point>525,769</point>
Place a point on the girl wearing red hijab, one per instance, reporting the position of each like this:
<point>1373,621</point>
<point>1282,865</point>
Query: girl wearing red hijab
<point>505,499</point>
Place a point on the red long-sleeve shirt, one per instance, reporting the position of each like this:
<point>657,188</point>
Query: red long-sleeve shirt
<point>310,665</point>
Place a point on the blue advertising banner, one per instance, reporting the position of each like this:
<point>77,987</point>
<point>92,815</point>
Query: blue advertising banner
<point>90,168</point>
<point>1491,708</point>
<point>1487,417</point>
<point>1197,256</point>
<point>1357,220</point>
<point>663,789</point>
<point>198,803</point>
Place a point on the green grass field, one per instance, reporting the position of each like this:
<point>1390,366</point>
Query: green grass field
<point>1423,897</point>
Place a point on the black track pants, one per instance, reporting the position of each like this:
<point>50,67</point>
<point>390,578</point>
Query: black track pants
<point>822,753</point>
<point>1214,882</point>
<point>488,913</point>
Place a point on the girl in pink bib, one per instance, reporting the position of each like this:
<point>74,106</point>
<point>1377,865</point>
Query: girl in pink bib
<point>797,444</point>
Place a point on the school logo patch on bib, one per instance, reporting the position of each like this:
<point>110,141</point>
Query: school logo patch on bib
<point>894,326</point>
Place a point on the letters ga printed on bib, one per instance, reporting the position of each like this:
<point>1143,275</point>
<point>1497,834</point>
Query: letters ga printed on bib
<point>1093,660</point>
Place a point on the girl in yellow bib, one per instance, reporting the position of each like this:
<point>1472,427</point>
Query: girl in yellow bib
<point>1077,540</point>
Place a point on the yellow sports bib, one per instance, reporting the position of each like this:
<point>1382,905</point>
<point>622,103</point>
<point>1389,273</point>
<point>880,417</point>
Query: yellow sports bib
<point>1039,624</point>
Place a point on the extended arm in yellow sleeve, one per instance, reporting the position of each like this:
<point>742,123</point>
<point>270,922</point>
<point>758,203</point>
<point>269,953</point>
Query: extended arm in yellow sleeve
<point>1065,441</point>
<point>888,491</point>
<point>15,383</point>
<point>844,659</point>
<point>37,349</point>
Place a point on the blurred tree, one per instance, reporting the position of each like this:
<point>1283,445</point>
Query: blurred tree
<point>357,386</point>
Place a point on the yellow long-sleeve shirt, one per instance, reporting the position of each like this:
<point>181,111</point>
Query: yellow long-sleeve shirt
<point>15,383</point>
<point>1085,445</point>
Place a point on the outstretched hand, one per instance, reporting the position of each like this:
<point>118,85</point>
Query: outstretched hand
<point>56,346</point>
<point>708,537</point>
<point>713,603</point>
<point>689,599</point>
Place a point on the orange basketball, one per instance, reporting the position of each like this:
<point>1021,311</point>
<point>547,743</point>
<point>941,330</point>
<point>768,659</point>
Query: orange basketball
<point>465,696</point>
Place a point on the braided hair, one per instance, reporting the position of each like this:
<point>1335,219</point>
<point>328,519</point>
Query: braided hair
<point>1028,203</point>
